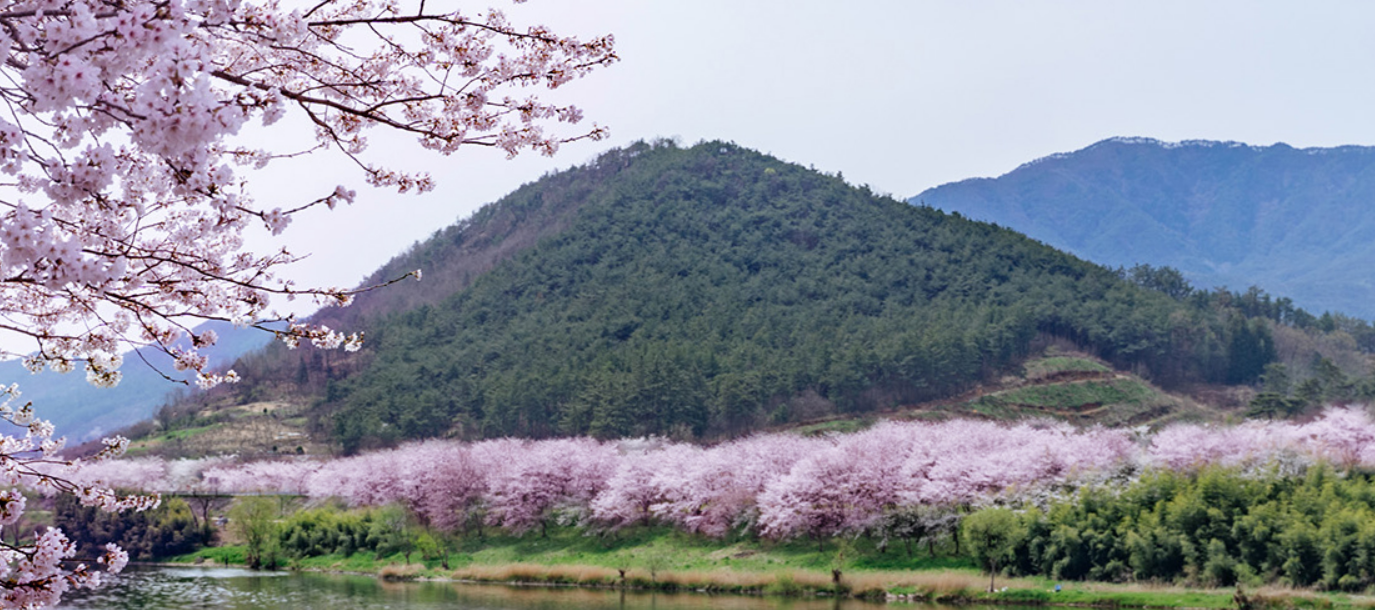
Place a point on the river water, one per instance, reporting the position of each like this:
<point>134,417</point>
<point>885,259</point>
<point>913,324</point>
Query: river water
<point>237,589</point>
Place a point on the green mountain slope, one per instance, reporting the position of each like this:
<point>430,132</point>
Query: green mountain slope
<point>1296,221</point>
<point>711,290</point>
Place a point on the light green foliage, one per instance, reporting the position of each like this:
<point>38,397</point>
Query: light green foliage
<point>655,558</point>
<point>845,554</point>
<point>991,536</point>
<point>254,521</point>
<point>1213,527</point>
<point>390,532</point>
<point>1051,365</point>
<point>324,531</point>
<point>1074,395</point>
<point>380,531</point>
<point>1110,400</point>
<point>427,545</point>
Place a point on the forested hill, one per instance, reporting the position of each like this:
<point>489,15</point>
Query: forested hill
<point>1296,221</point>
<point>713,289</point>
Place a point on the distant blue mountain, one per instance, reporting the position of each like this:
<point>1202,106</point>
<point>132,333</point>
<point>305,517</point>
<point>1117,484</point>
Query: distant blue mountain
<point>1299,223</point>
<point>83,412</point>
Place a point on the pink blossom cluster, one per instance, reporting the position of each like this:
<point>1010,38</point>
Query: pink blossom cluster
<point>527,483</point>
<point>156,475</point>
<point>1343,436</point>
<point>36,574</point>
<point>35,577</point>
<point>715,489</point>
<point>857,479</point>
<point>284,476</point>
<point>436,479</point>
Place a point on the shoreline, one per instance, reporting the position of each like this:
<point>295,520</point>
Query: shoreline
<point>911,587</point>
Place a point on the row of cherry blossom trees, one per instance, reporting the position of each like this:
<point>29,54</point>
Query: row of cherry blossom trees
<point>777,485</point>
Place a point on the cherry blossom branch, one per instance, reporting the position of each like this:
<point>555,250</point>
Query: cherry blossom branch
<point>123,218</point>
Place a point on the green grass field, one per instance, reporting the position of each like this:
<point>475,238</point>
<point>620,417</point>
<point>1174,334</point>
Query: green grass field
<point>1050,365</point>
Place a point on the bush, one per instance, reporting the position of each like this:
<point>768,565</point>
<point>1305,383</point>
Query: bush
<point>254,520</point>
<point>166,531</point>
<point>1215,526</point>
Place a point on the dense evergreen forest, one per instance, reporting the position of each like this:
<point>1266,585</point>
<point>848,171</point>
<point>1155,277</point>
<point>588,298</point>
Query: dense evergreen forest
<point>709,290</point>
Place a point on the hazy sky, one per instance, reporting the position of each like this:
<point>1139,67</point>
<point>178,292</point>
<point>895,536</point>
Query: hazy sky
<point>901,96</point>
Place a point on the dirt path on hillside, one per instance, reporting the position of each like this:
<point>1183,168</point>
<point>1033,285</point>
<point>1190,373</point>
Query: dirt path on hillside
<point>945,407</point>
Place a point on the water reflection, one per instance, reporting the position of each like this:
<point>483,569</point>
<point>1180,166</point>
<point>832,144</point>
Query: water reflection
<point>233,589</point>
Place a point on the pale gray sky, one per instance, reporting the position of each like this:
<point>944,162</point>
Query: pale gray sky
<point>898,95</point>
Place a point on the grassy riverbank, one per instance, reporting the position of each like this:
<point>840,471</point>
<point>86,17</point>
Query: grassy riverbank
<point>662,559</point>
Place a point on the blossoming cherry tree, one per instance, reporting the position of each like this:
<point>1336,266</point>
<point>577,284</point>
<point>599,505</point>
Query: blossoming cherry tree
<point>123,201</point>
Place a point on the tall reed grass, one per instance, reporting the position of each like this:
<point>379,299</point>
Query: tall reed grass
<point>930,585</point>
